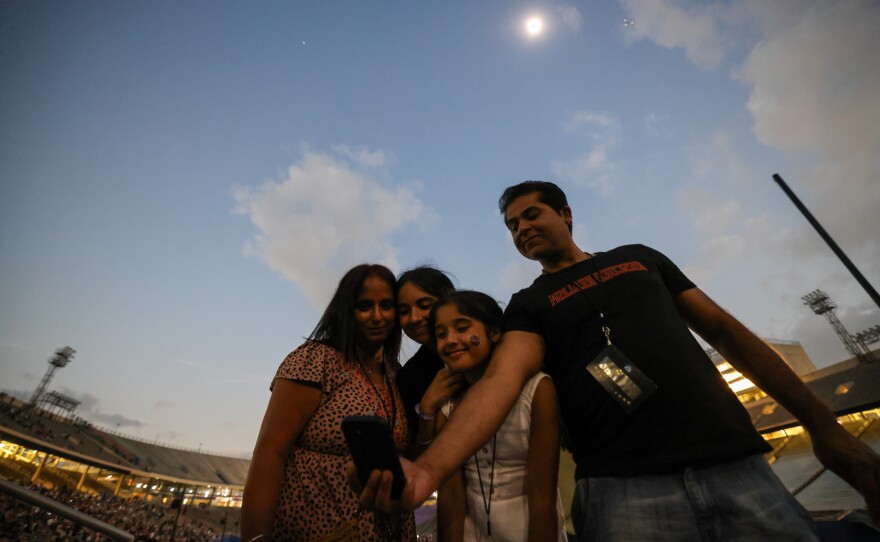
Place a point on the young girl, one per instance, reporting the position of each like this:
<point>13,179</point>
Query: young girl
<point>507,490</point>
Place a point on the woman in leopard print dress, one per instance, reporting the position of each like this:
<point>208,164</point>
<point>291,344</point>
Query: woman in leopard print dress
<point>297,487</point>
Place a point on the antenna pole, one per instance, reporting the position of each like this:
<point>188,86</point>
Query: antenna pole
<point>824,234</point>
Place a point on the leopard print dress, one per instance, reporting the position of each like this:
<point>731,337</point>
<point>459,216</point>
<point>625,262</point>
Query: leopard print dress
<point>315,498</point>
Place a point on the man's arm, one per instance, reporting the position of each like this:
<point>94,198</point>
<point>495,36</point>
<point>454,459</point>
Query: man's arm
<point>479,415</point>
<point>451,502</point>
<point>843,454</point>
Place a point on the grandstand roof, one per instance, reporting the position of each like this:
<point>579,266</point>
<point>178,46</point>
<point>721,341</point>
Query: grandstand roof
<point>846,387</point>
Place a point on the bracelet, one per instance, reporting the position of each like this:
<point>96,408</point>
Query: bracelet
<point>421,414</point>
<point>420,443</point>
<point>259,536</point>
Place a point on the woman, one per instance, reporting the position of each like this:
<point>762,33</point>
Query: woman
<point>424,383</point>
<point>297,487</point>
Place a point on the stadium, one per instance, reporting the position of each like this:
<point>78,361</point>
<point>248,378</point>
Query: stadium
<point>57,464</point>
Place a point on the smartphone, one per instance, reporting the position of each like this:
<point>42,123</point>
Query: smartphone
<point>369,440</point>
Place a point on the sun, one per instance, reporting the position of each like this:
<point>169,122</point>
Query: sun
<point>534,26</point>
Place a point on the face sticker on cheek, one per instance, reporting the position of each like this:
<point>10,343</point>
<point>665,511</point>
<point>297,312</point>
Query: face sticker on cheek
<point>474,340</point>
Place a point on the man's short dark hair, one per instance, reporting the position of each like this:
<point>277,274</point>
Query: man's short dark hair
<point>548,193</point>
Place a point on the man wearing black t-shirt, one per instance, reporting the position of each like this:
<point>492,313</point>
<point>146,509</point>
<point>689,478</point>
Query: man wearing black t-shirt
<point>664,450</point>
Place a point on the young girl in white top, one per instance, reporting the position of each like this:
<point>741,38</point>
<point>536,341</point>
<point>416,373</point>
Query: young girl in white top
<point>507,490</point>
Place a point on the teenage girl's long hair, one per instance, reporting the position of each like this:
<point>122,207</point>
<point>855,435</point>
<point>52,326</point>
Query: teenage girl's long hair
<point>428,279</point>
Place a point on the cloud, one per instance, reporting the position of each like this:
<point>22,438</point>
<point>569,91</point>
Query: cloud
<point>580,234</point>
<point>4,345</point>
<point>219,375</point>
<point>517,275</point>
<point>813,72</point>
<point>89,409</point>
<point>327,214</point>
<point>696,28</point>
<point>814,83</point>
<point>362,156</point>
<point>571,16</point>
<point>657,125</point>
<point>594,122</point>
<point>747,252</point>
<point>592,168</point>
<point>723,230</point>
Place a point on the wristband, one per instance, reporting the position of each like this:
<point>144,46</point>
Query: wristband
<point>421,414</point>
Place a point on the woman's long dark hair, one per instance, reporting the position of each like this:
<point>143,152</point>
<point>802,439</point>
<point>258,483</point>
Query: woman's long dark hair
<point>337,327</point>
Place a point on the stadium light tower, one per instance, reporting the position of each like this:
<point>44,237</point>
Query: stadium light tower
<point>61,358</point>
<point>821,304</point>
<point>868,337</point>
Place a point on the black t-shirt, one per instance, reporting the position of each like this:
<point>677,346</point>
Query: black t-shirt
<point>692,419</point>
<point>413,381</point>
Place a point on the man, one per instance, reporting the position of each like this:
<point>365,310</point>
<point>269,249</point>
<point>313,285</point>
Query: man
<point>663,448</point>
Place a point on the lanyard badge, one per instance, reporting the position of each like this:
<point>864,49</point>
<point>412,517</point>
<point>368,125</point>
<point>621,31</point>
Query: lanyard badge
<point>619,376</point>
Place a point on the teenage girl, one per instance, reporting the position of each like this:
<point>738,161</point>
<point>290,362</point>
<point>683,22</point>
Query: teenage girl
<point>424,383</point>
<point>507,490</point>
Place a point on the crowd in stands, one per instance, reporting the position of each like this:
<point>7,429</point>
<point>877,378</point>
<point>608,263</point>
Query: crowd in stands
<point>109,442</point>
<point>149,522</point>
<point>27,420</point>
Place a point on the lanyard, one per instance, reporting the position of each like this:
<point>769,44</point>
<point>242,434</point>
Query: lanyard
<point>605,329</point>
<point>487,503</point>
<point>393,418</point>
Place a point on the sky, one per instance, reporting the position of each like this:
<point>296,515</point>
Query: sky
<point>182,184</point>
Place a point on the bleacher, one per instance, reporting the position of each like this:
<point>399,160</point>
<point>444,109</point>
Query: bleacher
<point>54,431</point>
<point>187,464</point>
<point>28,426</point>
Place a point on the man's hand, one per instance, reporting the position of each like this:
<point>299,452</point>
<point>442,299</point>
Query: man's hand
<point>852,460</point>
<point>376,495</point>
<point>840,452</point>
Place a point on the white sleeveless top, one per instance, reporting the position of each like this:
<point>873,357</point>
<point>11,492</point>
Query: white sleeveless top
<point>510,501</point>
